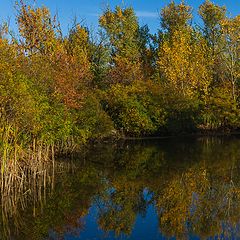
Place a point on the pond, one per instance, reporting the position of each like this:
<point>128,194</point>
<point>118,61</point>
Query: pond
<point>173,188</point>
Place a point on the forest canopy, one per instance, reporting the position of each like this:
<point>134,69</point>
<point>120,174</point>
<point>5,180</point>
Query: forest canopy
<point>65,89</point>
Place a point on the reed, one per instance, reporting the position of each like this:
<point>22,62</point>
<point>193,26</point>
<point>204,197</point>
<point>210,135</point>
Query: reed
<point>27,177</point>
<point>25,170</point>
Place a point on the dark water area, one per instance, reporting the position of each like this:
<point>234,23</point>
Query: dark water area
<point>176,188</point>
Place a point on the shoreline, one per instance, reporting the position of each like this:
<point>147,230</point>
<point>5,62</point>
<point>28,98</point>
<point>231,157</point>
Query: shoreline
<point>211,134</point>
<point>117,138</point>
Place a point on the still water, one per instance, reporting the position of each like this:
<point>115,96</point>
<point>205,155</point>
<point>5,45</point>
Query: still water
<point>176,188</point>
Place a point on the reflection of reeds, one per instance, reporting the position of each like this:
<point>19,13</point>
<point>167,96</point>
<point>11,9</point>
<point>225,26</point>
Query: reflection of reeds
<point>26,173</point>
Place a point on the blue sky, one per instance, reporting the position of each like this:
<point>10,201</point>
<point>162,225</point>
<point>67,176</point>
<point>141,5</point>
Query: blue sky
<point>89,10</point>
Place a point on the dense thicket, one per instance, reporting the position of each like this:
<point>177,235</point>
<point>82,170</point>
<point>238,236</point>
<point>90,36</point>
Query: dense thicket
<point>58,91</point>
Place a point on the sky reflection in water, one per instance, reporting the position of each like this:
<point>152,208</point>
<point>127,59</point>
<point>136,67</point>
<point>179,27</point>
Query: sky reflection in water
<point>184,188</point>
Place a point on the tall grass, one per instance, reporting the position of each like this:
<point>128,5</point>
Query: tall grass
<point>26,170</point>
<point>27,176</point>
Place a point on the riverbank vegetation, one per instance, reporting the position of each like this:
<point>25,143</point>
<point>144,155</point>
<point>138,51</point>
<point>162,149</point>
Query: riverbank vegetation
<point>58,91</point>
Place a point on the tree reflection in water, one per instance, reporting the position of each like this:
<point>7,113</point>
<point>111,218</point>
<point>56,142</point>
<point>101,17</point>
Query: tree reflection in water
<point>192,183</point>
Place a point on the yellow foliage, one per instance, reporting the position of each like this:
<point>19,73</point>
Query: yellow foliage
<point>183,63</point>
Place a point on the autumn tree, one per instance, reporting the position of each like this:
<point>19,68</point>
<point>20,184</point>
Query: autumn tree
<point>37,28</point>
<point>100,57</point>
<point>175,16</point>
<point>221,34</point>
<point>231,53</point>
<point>73,65</point>
<point>212,15</point>
<point>67,58</point>
<point>147,49</point>
<point>182,53</point>
<point>121,26</point>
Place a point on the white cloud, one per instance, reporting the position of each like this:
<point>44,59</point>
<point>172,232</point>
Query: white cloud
<point>146,14</point>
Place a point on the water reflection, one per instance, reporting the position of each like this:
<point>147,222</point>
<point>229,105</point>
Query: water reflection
<point>172,188</point>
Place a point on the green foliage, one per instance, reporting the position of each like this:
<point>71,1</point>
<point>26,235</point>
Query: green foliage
<point>221,111</point>
<point>182,112</point>
<point>92,121</point>
<point>133,110</point>
<point>122,29</point>
<point>63,91</point>
<point>175,16</point>
<point>212,15</point>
